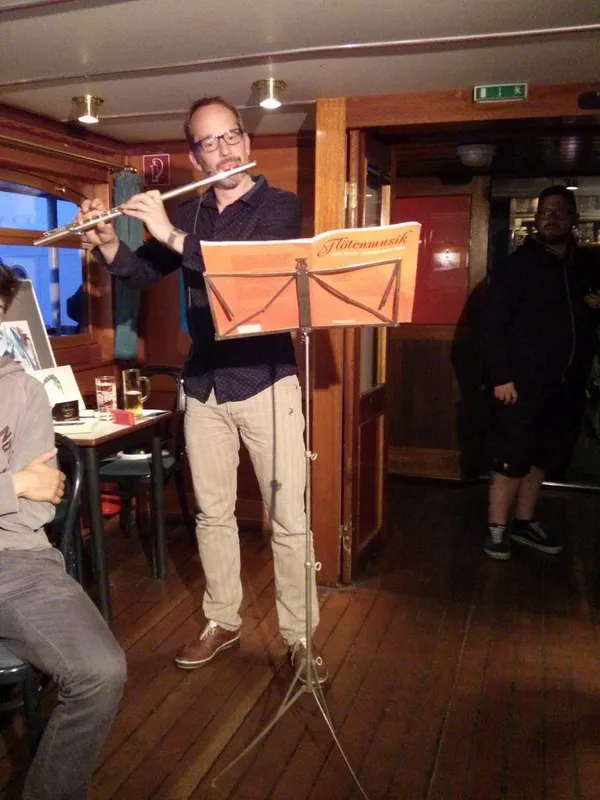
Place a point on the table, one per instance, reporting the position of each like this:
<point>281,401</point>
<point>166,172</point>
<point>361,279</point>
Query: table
<point>107,439</point>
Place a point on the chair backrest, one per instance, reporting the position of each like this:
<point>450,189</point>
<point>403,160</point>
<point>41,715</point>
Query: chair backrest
<point>176,376</point>
<point>66,526</point>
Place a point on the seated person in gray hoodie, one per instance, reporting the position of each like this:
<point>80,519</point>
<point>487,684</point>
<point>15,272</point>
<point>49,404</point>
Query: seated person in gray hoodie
<point>45,616</point>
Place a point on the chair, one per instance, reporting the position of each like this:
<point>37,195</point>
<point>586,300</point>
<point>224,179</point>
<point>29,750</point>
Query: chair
<point>65,529</point>
<point>64,532</point>
<point>131,475</point>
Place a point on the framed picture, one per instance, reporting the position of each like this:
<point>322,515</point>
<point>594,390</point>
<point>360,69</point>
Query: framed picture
<point>25,311</point>
<point>60,385</point>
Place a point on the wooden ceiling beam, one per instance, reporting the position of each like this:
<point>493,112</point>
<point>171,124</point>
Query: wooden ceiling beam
<point>417,108</point>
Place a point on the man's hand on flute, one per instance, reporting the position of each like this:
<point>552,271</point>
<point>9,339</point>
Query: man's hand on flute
<point>146,206</point>
<point>102,235</point>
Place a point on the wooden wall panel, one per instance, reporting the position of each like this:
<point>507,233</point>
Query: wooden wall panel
<point>421,409</point>
<point>369,485</point>
<point>327,349</point>
<point>434,402</point>
<point>424,462</point>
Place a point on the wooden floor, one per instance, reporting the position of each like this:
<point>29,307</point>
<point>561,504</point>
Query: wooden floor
<point>452,676</point>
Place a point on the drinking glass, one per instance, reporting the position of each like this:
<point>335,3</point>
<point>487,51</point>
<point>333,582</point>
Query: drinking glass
<point>136,390</point>
<point>106,395</point>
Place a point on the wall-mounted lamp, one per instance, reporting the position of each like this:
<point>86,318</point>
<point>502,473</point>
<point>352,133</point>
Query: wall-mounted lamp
<point>476,155</point>
<point>87,108</point>
<point>571,184</point>
<point>268,92</point>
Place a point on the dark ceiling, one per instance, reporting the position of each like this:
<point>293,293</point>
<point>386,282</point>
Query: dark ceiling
<point>557,147</point>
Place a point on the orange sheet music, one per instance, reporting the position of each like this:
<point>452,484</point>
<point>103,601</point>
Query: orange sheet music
<point>342,278</point>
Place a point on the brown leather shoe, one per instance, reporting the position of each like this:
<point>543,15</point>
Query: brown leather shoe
<point>212,640</point>
<point>297,655</point>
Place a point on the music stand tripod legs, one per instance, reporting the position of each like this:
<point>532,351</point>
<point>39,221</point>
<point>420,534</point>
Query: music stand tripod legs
<point>312,686</point>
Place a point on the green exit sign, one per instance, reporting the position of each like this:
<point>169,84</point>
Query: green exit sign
<point>500,92</point>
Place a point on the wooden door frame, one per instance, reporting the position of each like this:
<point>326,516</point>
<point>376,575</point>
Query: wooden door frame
<point>357,408</point>
<point>327,350</point>
<point>334,116</point>
<point>355,217</point>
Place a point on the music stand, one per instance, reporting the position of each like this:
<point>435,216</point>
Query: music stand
<point>246,301</point>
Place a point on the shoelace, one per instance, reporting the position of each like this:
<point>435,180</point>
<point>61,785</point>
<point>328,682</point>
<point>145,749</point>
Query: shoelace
<point>300,646</point>
<point>209,629</point>
<point>537,529</point>
<point>497,533</point>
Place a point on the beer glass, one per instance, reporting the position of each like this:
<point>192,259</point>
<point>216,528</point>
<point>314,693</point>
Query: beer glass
<point>136,390</point>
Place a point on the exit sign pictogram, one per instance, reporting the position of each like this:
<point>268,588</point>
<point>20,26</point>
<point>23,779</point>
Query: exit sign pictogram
<point>500,92</point>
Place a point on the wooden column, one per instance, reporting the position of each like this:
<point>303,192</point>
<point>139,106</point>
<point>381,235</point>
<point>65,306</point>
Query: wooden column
<point>327,349</point>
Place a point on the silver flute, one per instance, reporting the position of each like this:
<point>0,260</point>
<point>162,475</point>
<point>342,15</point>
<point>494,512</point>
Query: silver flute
<point>112,213</point>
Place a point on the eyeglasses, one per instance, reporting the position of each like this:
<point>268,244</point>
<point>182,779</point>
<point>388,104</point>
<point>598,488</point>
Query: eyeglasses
<point>210,143</point>
<point>549,212</point>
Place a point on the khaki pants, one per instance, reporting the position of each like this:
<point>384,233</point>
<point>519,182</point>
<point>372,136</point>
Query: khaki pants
<point>271,425</point>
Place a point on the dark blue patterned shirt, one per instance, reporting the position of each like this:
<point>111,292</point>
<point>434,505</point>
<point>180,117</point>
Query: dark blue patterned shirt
<point>236,368</point>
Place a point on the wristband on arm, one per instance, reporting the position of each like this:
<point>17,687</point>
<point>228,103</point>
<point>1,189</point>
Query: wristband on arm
<point>172,236</point>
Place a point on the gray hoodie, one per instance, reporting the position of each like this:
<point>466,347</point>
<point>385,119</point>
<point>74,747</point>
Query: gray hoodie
<point>26,431</point>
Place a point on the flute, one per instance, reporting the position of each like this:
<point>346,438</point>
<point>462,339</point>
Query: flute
<point>112,213</point>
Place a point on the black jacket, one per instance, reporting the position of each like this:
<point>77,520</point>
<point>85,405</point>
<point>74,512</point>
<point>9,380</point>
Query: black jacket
<point>537,329</point>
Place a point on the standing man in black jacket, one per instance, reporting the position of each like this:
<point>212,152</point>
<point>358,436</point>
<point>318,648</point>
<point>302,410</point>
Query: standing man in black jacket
<point>539,338</point>
<point>235,388</point>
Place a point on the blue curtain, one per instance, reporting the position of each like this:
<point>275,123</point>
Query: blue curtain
<point>127,298</point>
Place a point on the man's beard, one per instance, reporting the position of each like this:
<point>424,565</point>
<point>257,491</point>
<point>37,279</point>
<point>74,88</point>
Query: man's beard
<point>554,237</point>
<point>232,182</point>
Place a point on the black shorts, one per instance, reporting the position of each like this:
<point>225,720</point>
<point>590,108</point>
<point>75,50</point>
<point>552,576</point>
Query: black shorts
<point>539,430</point>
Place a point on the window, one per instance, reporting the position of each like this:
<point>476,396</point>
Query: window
<point>57,273</point>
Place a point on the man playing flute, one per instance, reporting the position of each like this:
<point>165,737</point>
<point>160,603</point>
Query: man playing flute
<point>235,388</point>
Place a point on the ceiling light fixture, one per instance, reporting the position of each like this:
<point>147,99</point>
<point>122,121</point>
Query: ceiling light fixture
<point>268,92</point>
<point>87,108</point>
<point>571,184</point>
<point>476,155</point>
